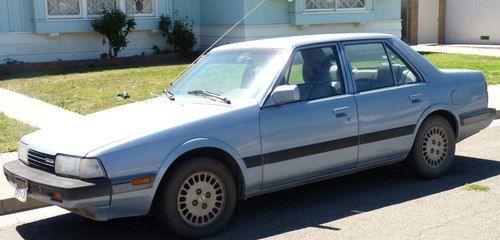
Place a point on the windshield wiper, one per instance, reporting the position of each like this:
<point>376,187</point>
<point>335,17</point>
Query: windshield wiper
<point>210,94</point>
<point>169,94</point>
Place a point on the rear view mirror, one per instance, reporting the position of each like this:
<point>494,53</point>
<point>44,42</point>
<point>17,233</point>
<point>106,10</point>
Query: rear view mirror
<point>285,94</point>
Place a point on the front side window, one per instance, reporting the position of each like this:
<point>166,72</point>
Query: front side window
<point>235,74</point>
<point>58,8</point>
<point>370,68</point>
<point>335,4</point>
<point>316,73</point>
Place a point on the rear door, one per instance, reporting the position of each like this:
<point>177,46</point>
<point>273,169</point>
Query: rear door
<point>390,97</point>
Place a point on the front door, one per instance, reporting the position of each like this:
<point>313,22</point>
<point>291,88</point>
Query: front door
<point>317,134</point>
<point>390,98</point>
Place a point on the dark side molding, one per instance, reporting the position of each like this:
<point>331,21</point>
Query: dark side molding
<point>477,116</point>
<point>302,151</point>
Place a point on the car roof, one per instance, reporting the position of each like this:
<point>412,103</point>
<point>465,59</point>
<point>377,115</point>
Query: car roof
<point>289,43</point>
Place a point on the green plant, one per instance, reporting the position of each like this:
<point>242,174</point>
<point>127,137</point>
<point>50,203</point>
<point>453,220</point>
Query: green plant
<point>114,25</point>
<point>476,187</point>
<point>179,33</point>
<point>10,61</point>
<point>158,50</point>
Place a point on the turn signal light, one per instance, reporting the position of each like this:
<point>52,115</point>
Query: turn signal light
<point>58,196</point>
<point>142,181</point>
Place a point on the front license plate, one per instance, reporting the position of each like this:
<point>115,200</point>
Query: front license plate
<point>21,192</point>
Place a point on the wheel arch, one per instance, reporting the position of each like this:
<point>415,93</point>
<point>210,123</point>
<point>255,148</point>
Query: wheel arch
<point>206,148</point>
<point>443,111</point>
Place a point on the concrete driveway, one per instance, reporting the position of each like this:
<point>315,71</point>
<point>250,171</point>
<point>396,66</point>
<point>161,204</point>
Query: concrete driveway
<point>384,203</point>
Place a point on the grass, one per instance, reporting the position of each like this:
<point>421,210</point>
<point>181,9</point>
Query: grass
<point>93,91</point>
<point>89,92</point>
<point>490,66</point>
<point>10,133</point>
<point>476,187</point>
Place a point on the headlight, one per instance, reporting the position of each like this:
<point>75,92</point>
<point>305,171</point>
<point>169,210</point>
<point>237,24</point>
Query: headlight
<point>22,152</point>
<point>79,167</point>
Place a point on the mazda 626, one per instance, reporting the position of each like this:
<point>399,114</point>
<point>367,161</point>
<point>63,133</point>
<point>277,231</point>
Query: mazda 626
<point>252,118</point>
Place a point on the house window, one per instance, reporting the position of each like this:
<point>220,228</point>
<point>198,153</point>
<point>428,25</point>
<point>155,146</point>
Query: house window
<point>95,7</point>
<point>91,8</point>
<point>334,5</point>
<point>139,6</point>
<point>59,8</point>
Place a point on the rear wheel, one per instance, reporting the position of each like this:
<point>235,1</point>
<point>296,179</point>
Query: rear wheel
<point>434,148</point>
<point>197,199</point>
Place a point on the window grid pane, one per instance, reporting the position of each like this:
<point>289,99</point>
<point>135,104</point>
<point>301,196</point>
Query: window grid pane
<point>63,7</point>
<point>139,6</point>
<point>95,7</point>
<point>334,4</point>
<point>350,4</point>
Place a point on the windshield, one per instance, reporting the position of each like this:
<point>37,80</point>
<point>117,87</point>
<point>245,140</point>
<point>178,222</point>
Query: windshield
<point>234,74</point>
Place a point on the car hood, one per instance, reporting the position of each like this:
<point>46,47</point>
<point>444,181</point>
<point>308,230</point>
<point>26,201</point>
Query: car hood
<point>81,136</point>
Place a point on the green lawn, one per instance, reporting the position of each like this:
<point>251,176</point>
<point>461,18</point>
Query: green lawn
<point>10,133</point>
<point>490,66</point>
<point>93,91</point>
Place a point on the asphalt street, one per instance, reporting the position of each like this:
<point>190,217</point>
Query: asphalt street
<point>383,203</point>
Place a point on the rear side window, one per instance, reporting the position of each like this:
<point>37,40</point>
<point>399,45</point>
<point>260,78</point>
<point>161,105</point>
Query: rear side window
<point>370,66</point>
<point>402,73</point>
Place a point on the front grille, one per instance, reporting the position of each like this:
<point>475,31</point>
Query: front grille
<point>41,161</point>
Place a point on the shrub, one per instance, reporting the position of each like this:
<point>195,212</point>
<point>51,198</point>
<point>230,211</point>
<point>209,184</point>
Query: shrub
<point>180,36</point>
<point>10,61</point>
<point>114,25</point>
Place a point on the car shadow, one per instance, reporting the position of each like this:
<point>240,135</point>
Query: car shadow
<point>307,206</point>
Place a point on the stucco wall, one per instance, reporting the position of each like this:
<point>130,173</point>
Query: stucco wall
<point>212,18</point>
<point>209,34</point>
<point>467,20</point>
<point>16,15</point>
<point>31,47</point>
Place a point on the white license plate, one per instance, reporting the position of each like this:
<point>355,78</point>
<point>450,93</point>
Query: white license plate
<point>21,192</point>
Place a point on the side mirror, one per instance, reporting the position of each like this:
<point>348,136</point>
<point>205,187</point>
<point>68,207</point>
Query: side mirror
<point>285,94</point>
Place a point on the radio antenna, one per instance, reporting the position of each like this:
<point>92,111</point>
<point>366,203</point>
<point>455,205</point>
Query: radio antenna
<point>218,40</point>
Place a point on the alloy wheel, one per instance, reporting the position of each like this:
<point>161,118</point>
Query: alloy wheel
<point>201,199</point>
<point>435,147</point>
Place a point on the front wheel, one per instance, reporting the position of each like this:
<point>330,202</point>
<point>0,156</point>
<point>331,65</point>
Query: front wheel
<point>197,199</point>
<point>433,151</point>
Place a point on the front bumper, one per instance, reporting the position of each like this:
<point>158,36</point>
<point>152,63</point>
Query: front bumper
<point>90,199</point>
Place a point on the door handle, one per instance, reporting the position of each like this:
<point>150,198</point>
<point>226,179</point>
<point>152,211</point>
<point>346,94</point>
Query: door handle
<point>416,98</point>
<point>340,112</point>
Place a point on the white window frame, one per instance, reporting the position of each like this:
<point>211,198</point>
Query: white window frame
<point>123,9</point>
<point>84,11</point>
<point>63,16</point>
<point>335,9</point>
<point>86,15</point>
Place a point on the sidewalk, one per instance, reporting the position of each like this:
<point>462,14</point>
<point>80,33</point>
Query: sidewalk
<point>32,111</point>
<point>483,50</point>
<point>8,204</point>
<point>35,113</point>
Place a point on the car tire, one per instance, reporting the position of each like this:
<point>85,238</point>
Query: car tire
<point>197,199</point>
<point>433,150</point>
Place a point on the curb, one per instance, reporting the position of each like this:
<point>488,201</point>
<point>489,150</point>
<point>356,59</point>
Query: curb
<point>12,205</point>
